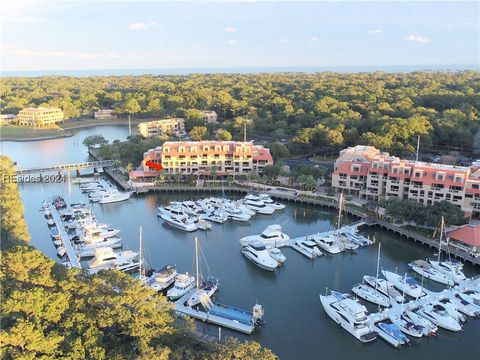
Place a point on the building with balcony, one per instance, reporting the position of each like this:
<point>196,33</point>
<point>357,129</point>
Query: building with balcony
<point>226,158</point>
<point>39,116</point>
<point>172,126</point>
<point>104,114</point>
<point>366,172</point>
<point>210,117</point>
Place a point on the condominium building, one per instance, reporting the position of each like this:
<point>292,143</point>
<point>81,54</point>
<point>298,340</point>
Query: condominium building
<point>104,114</point>
<point>39,116</point>
<point>7,118</point>
<point>200,157</point>
<point>366,172</point>
<point>210,117</point>
<point>172,126</point>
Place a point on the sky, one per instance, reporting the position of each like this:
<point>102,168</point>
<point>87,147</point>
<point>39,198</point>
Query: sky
<point>69,35</point>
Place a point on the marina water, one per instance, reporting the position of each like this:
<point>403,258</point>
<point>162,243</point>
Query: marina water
<point>296,325</point>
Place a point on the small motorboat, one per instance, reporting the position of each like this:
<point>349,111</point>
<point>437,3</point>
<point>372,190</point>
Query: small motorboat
<point>394,331</point>
<point>277,255</point>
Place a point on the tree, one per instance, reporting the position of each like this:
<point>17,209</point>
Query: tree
<point>272,172</point>
<point>131,107</point>
<point>93,141</point>
<point>198,133</point>
<point>278,151</point>
<point>223,135</point>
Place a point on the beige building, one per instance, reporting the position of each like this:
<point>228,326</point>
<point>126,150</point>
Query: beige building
<point>200,157</point>
<point>173,126</point>
<point>210,117</point>
<point>7,118</point>
<point>366,172</point>
<point>39,116</point>
<point>104,114</point>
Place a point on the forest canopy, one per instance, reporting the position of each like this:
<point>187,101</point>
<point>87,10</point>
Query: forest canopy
<point>320,110</point>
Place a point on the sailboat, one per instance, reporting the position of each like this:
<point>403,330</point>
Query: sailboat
<point>343,242</point>
<point>204,290</point>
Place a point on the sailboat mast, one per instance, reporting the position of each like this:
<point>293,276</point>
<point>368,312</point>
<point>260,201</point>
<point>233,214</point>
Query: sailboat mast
<point>442,224</point>
<point>378,263</point>
<point>196,264</point>
<point>141,238</point>
<point>340,202</point>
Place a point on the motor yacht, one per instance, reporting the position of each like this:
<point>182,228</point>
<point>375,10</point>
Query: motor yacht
<point>61,251</point>
<point>438,315</point>
<point>309,247</point>
<point>54,233</point>
<point>470,296</point>
<point>182,285</point>
<point>268,201</point>
<point>206,289</point>
<point>370,294</point>
<point>464,306</point>
<point>216,216</point>
<point>276,254</point>
<point>426,270</point>
<point>256,252</point>
<point>259,207</point>
<point>345,243</point>
<point>350,315</point>
<point>352,235</point>
<point>161,279</point>
<point>50,222</point>
<point>385,287</point>
<point>236,214</point>
<point>174,210</point>
<point>239,205</point>
<point>452,310</point>
<point>394,331</point>
<point>203,224</point>
<point>269,237</point>
<point>452,269</point>
<point>114,196</point>
<point>429,327</point>
<point>328,242</point>
<point>180,222</point>
<point>405,284</point>
<point>106,258</point>
<point>407,326</point>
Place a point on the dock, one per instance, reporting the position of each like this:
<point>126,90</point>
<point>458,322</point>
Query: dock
<point>67,244</point>
<point>204,316</point>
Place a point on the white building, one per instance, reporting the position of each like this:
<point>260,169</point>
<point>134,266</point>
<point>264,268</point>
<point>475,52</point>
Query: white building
<point>104,114</point>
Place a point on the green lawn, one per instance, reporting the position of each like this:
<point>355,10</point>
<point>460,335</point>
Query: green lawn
<point>13,132</point>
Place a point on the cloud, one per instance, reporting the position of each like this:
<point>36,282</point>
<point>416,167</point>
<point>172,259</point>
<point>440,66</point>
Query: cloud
<point>230,29</point>
<point>232,42</point>
<point>314,38</point>
<point>17,51</point>
<point>284,40</point>
<point>418,39</point>
<point>376,31</point>
<point>198,45</point>
<point>137,26</point>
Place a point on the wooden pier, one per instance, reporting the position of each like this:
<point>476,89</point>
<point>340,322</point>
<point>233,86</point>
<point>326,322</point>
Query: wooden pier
<point>67,167</point>
<point>67,244</point>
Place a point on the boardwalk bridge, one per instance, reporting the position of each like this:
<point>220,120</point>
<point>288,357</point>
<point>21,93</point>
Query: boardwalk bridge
<point>67,167</point>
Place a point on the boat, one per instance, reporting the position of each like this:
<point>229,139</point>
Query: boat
<point>328,242</point>
<point>426,270</point>
<point>394,331</point>
<point>61,251</point>
<point>114,196</point>
<point>385,287</point>
<point>268,201</point>
<point>54,233</point>
<point>171,210</point>
<point>309,247</point>
<point>216,217</point>
<point>407,284</point>
<point>351,234</point>
<point>236,214</point>
<point>429,327</point>
<point>464,306</point>
<point>182,285</point>
<point>180,222</point>
<point>276,254</point>
<point>203,224</point>
<point>407,326</point>
<point>239,204</point>
<point>59,202</point>
<point>450,268</point>
<point>269,237</point>
<point>106,258</point>
<point>438,315</point>
<point>259,207</point>
<point>470,296</point>
<point>452,310</point>
<point>50,222</point>
<point>346,244</point>
<point>370,294</point>
<point>207,288</point>
<point>257,253</point>
<point>350,315</point>
<point>161,279</point>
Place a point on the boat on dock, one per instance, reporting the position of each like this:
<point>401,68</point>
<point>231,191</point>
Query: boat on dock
<point>257,253</point>
<point>259,207</point>
<point>277,255</point>
<point>113,197</point>
<point>307,248</point>
<point>182,285</point>
<point>270,237</point>
<point>427,271</point>
<point>429,327</point>
<point>407,326</point>
<point>184,223</point>
<point>105,258</point>
<point>54,233</point>
<point>392,334</point>
<point>385,287</point>
<point>350,315</point>
<point>370,294</point>
<point>438,315</point>
<point>328,242</point>
<point>406,284</point>
<point>161,279</point>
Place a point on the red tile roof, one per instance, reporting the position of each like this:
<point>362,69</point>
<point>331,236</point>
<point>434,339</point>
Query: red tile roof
<point>468,234</point>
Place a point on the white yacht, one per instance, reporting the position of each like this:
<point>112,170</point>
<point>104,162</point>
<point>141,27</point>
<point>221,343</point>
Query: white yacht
<point>203,224</point>
<point>259,207</point>
<point>464,306</point>
<point>385,287</point>
<point>256,252</point>
<point>430,328</point>
<point>349,314</point>
<point>180,222</point>
<point>426,270</point>
<point>206,289</point>
<point>239,205</point>
<point>183,284</point>
<point>114,196</point>
<point>309,247</point>
<point>236,214</point>
<point>159,280</point>
<point>216,216</point>
<point>106,258</point>
<point>439,316</point>
<point>277,255</point>
<point>173,210</point>
<point>370,294</point>
<point>328,242</point>
<point>268,201</point>
<point>86,250</point>
<point>405,284</point>
<point>407,326</point>
<point>269,237</point>
<point>452,269</point>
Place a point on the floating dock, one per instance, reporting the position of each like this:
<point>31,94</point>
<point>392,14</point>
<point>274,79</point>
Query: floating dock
<point>67,244</point>
<point>227,317</point>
